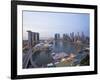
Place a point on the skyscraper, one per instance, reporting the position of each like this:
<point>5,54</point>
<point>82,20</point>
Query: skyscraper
<point>57,36</point>
<point>29,38</point>
<point>33,38</point>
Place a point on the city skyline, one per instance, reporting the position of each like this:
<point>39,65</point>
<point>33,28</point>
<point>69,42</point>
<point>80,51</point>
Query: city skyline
<point>49,23</point>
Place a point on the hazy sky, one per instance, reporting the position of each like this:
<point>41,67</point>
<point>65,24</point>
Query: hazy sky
<point>49,23</point>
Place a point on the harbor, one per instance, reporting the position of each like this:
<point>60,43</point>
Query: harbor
<point>69,50</point>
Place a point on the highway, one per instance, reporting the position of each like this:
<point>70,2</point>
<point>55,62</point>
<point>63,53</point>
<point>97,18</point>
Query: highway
<point>28,57</point>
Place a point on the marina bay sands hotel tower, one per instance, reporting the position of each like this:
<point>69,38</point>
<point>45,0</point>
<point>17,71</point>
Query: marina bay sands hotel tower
<point>33,38</point>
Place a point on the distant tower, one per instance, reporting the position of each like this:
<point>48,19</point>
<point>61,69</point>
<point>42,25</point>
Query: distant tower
<point>33,38</point>
<point>29,38</point>
<point>72,36</point>
<point>36,38</point>
<point>78,35</point>
<point>64,36</point>
<point>57,36</point>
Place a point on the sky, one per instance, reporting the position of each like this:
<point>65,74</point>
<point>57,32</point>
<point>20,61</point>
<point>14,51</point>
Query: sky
<point>49,23</point>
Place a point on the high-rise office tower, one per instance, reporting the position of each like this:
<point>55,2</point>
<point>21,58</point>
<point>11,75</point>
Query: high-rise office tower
<point>57,36</point>
<point>29,38</point>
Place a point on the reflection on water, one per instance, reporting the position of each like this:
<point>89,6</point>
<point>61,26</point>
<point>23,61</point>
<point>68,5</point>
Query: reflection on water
<point>63,46</point>
<point>42,58</point>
